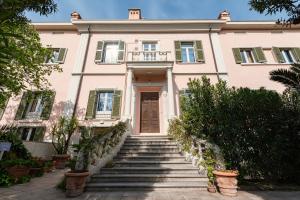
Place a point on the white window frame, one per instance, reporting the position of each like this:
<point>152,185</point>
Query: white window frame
<point>117,42</point>
<point>38,109</point>
<point>105,113</point>
<point>55,59</point>
<point>149,53</point>
<point>186,49</point>
<point>30,130</point>
<point>244,54</point>
<point>283,53</point>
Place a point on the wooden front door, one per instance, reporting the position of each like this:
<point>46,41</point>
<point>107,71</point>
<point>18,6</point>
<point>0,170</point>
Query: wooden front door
<point>150,112</point>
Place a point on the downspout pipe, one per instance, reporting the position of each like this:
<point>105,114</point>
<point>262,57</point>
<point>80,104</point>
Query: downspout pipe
<point>213,52</point>
<point>81,74</point>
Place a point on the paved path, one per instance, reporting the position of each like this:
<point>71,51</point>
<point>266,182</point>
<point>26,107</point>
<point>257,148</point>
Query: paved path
<point>43,188</point>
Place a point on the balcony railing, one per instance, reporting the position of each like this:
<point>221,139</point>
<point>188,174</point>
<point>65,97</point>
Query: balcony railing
<point>149,56</point>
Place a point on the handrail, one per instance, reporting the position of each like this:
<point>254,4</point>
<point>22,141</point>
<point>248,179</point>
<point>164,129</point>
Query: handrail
<point>149,56</point>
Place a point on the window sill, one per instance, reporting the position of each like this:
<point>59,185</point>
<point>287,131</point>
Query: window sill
<point>30,121</point>
<point>195,63</point>
<point>101,63</point>
<point>51,64</point>
<point>260,64</point>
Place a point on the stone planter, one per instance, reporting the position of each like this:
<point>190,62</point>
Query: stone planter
<point>18,171</point>
<point>211,188</point>
<point>75,183</point>
<point>60,161</point>
<point>227,182</point>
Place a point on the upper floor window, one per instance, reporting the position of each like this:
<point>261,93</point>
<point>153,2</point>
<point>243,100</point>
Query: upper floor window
<point>104,104</point>
<point>32,133</point>
<point>35,105</point>
<point>249,55</point>
<point>57,56</point>
<point>189,52</point>
<point>110,52</point>
<point>287,56</point>
<point>150,51</point>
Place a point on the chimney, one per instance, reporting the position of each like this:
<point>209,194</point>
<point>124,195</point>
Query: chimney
<point>75,16</point>
<point>225,15</point>
<point>134,14</point>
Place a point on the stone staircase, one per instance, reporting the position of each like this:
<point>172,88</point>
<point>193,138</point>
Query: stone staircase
<point>148,163</point>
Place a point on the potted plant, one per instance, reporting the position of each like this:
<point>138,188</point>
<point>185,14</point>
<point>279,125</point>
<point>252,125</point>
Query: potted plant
<point>37,167</point>
<point>209,163</point>
<point>61,136</point>
<point>17,168</point>
<point>227,181</point>
<point>76,178</point>
<point>48,166</point>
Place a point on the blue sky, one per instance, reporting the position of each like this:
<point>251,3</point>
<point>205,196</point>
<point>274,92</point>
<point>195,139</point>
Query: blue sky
<point>152,9</point>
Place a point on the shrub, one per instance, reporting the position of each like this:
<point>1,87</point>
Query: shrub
<point>257,130</point>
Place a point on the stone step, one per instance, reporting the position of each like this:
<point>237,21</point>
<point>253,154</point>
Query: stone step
<point>149,143</point>
<point>145,186</point>
<point>150,136</point>
<point>138,154</point>
<point>149,170</point>
<point>149,151</point>
<point>150,146</point>
<point>128,164</point>
<point>158,158</point>
<point>148,140</point>
<point>147,178</point>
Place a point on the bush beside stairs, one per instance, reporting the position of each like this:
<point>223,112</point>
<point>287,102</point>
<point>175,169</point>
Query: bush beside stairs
<point>148,163</point>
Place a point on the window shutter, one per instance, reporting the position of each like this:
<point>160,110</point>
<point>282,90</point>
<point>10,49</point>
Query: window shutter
<point>3,109</point>
<point>181,99</point>
<point>237,55</point>
<point>278,55</point>
<point>99,51</point>
<point>47,102</point>
<point>259,55</point>
<point>199,51</point>
<point>296,54</point>
<point>39,134</point>
<point>116,109</point>
<point>121,52</point>
<point>61,55</point>
<point>178,51</point>
<point>91,106</point>
<point>23,105</point>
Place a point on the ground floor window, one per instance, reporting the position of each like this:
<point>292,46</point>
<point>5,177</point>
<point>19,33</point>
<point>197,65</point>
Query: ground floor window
<point>32,133</point>
<point>104,104</point>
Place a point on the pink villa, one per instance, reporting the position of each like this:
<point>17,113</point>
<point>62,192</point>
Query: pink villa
<point>137,68</point>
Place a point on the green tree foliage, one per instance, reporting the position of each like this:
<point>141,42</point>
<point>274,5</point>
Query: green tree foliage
<point>257,130</point>
<point>21,52</point>
<point>290,7</point>
<point>289,77</point>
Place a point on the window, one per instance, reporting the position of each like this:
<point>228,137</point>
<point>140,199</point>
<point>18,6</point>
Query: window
<point>287,55</point>
<point>35,106</point>
<point>188,52</point>
<point>149,51</point>
<point>111,52</point>
<point>104,104</point>
<point>57,56</point>
<point>32,134</point>
<point>247,56</point>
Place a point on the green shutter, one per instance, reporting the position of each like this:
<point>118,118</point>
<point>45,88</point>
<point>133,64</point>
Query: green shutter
<point>61,55</point>
<point>237,55</point>
<point>278,55</point>
<point>259,55</point>
<point>199,51</point>
<point>181,99</point>
<point>121,52</point>
<point>39,134</point>
<point>23,105</point>
<point>99,51</point>
<point>296,54</point>
<point>47,102</point>
<point>116,109</point>
<point>178,51</point>
<point>91,106</point>
<point>2,109</point>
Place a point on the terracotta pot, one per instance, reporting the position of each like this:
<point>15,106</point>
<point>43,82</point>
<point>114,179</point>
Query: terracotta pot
<point>36,172</point>
<point>60,161</point>
<point>211,188</point>
<point>18,171</point>
<point>75,183</point>
<point>227,182</point>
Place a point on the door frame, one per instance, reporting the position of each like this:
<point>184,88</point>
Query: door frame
<point>158,111</point>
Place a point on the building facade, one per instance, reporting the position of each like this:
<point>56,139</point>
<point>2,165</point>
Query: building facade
<point>137,68</point>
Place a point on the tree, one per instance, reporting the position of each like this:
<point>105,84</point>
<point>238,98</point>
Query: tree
<point>21,52</point>
<point>289,77</point>
<point>290,7</point>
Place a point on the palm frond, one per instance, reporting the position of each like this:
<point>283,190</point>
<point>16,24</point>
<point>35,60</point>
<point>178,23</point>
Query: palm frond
<point>288,77</point>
